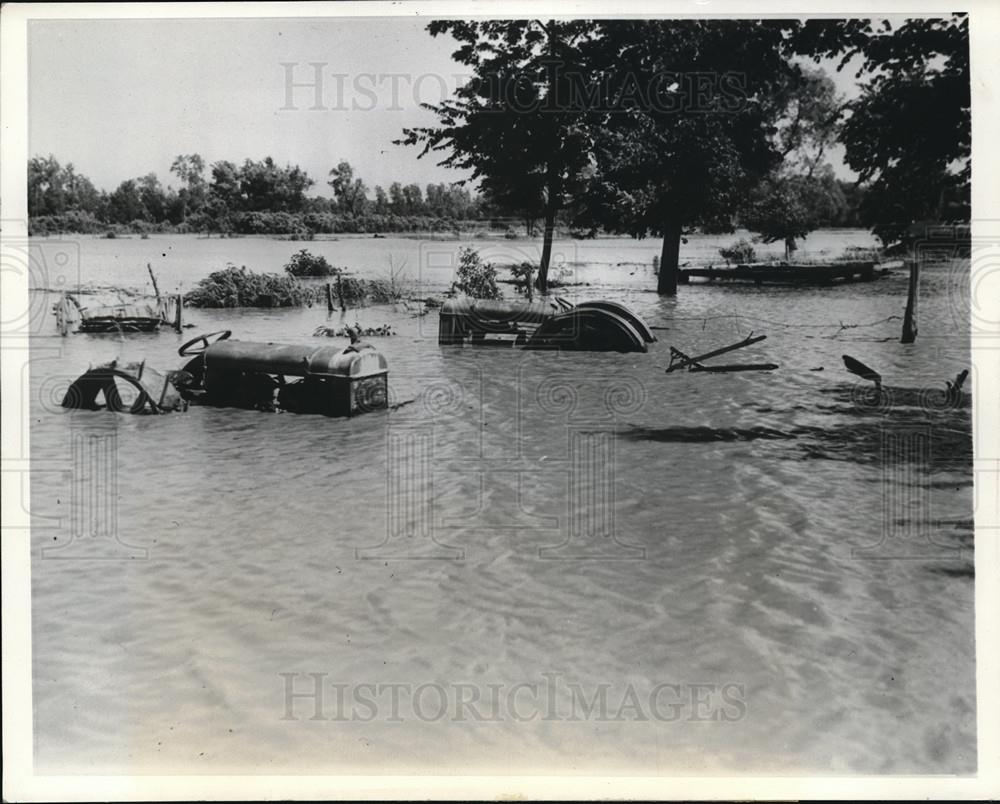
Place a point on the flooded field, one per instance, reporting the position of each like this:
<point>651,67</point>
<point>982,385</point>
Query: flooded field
<point>539,561</point>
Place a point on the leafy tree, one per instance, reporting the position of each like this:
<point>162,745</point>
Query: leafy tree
<point>397,201</point>
<point>510,123</point>
<point>413,199</point>
<point>801,193</point>
<point>908,135</point>
<point>381,201</point>
<point>46,194</point>
<point>266,186</point>
<point>692,110</point>
<point>225,188</point>
<point>125,203</point>
<point>153,198</point>
<point>785,208</point>
<point>350,193</point>
<point>190,169</point>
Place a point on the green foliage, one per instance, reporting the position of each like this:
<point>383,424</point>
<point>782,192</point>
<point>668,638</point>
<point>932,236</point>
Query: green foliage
<point>303,263</point>
<point>392,286</point>
<point>510,123</point>
<point>350,194</point>
<point>524,274</point>
<point>688,154</point>
<point>475,278</point>
<point>383,291</point>
<point>785,208</point>
<point>56,190</point>
<point>909,132</point>
<point>740,252</point>
<point>238,287</point>
<point>354,290</point>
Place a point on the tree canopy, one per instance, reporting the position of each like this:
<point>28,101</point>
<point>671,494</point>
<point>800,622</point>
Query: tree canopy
<point>689,126</point>
<point>510,123</point>
<point>908,134</point>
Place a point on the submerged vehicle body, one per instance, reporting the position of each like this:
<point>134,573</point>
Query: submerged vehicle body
<point>329,380</point>
<point>246,374</point>
<point>598,326</point>
<point>126,387</point>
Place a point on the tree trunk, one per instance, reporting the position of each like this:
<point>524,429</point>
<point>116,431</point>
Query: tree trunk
<point>542,282</point>
<point>669,259</point>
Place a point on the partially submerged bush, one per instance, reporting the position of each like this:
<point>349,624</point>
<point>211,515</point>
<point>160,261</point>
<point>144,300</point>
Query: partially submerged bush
<point>474,277</point>
<point>739,252</point>
<point>303,263</point>
<point>524,277</point>
<point>382,291</point>
<point>354,290</point>
<point>238,287</point>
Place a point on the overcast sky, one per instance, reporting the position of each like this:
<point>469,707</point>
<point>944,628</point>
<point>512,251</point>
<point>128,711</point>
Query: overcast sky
<point>122,98</point>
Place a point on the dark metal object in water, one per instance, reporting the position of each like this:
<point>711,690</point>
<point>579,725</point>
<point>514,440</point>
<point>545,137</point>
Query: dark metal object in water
<point>326,379</point>
<point>857,367</point>
<point>126,388</point>
<point>679,360</point>
<point>599,326</point>
<point>245,374</point>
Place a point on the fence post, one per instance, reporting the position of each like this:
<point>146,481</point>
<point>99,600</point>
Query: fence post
<point>910,316</point>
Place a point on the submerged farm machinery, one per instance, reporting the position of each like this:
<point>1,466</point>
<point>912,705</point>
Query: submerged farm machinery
<point>246,374</point>
<point>593,326</point>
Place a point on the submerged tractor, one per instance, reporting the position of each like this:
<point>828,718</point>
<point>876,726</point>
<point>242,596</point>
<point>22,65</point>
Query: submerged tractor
<point>246,374</point>
<point>336,381</point>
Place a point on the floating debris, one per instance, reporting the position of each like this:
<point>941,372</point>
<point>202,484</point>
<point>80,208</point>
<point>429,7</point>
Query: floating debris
<point>385,331</point>
<point>139,315</point>
<point>679,360</point>
<point>857,367</point>
<point>788,274</point>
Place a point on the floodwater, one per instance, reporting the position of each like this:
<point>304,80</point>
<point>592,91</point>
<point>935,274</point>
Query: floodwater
<point>569,562</point>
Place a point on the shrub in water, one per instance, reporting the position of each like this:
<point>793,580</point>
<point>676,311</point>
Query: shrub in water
<point>524,277</point>
<point>238,287</point>
<point>305,264</point>
<point>739,252</point>
<point>475,277</point>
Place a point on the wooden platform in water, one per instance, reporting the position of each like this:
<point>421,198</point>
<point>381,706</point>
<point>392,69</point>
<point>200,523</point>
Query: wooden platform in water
<point>787,273</point>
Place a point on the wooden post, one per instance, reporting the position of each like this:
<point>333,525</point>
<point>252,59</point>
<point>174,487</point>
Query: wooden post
<point>910,316</point>
<point>178,312</point>
<point>329,297</point>
<point>62,316</point>
<point>156,288</point>
<point>340,293</point>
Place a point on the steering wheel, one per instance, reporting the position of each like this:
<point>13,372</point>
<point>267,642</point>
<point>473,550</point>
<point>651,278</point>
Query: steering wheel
<point>186,349</point>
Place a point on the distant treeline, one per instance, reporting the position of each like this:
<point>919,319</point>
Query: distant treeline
<point>264,198</point>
